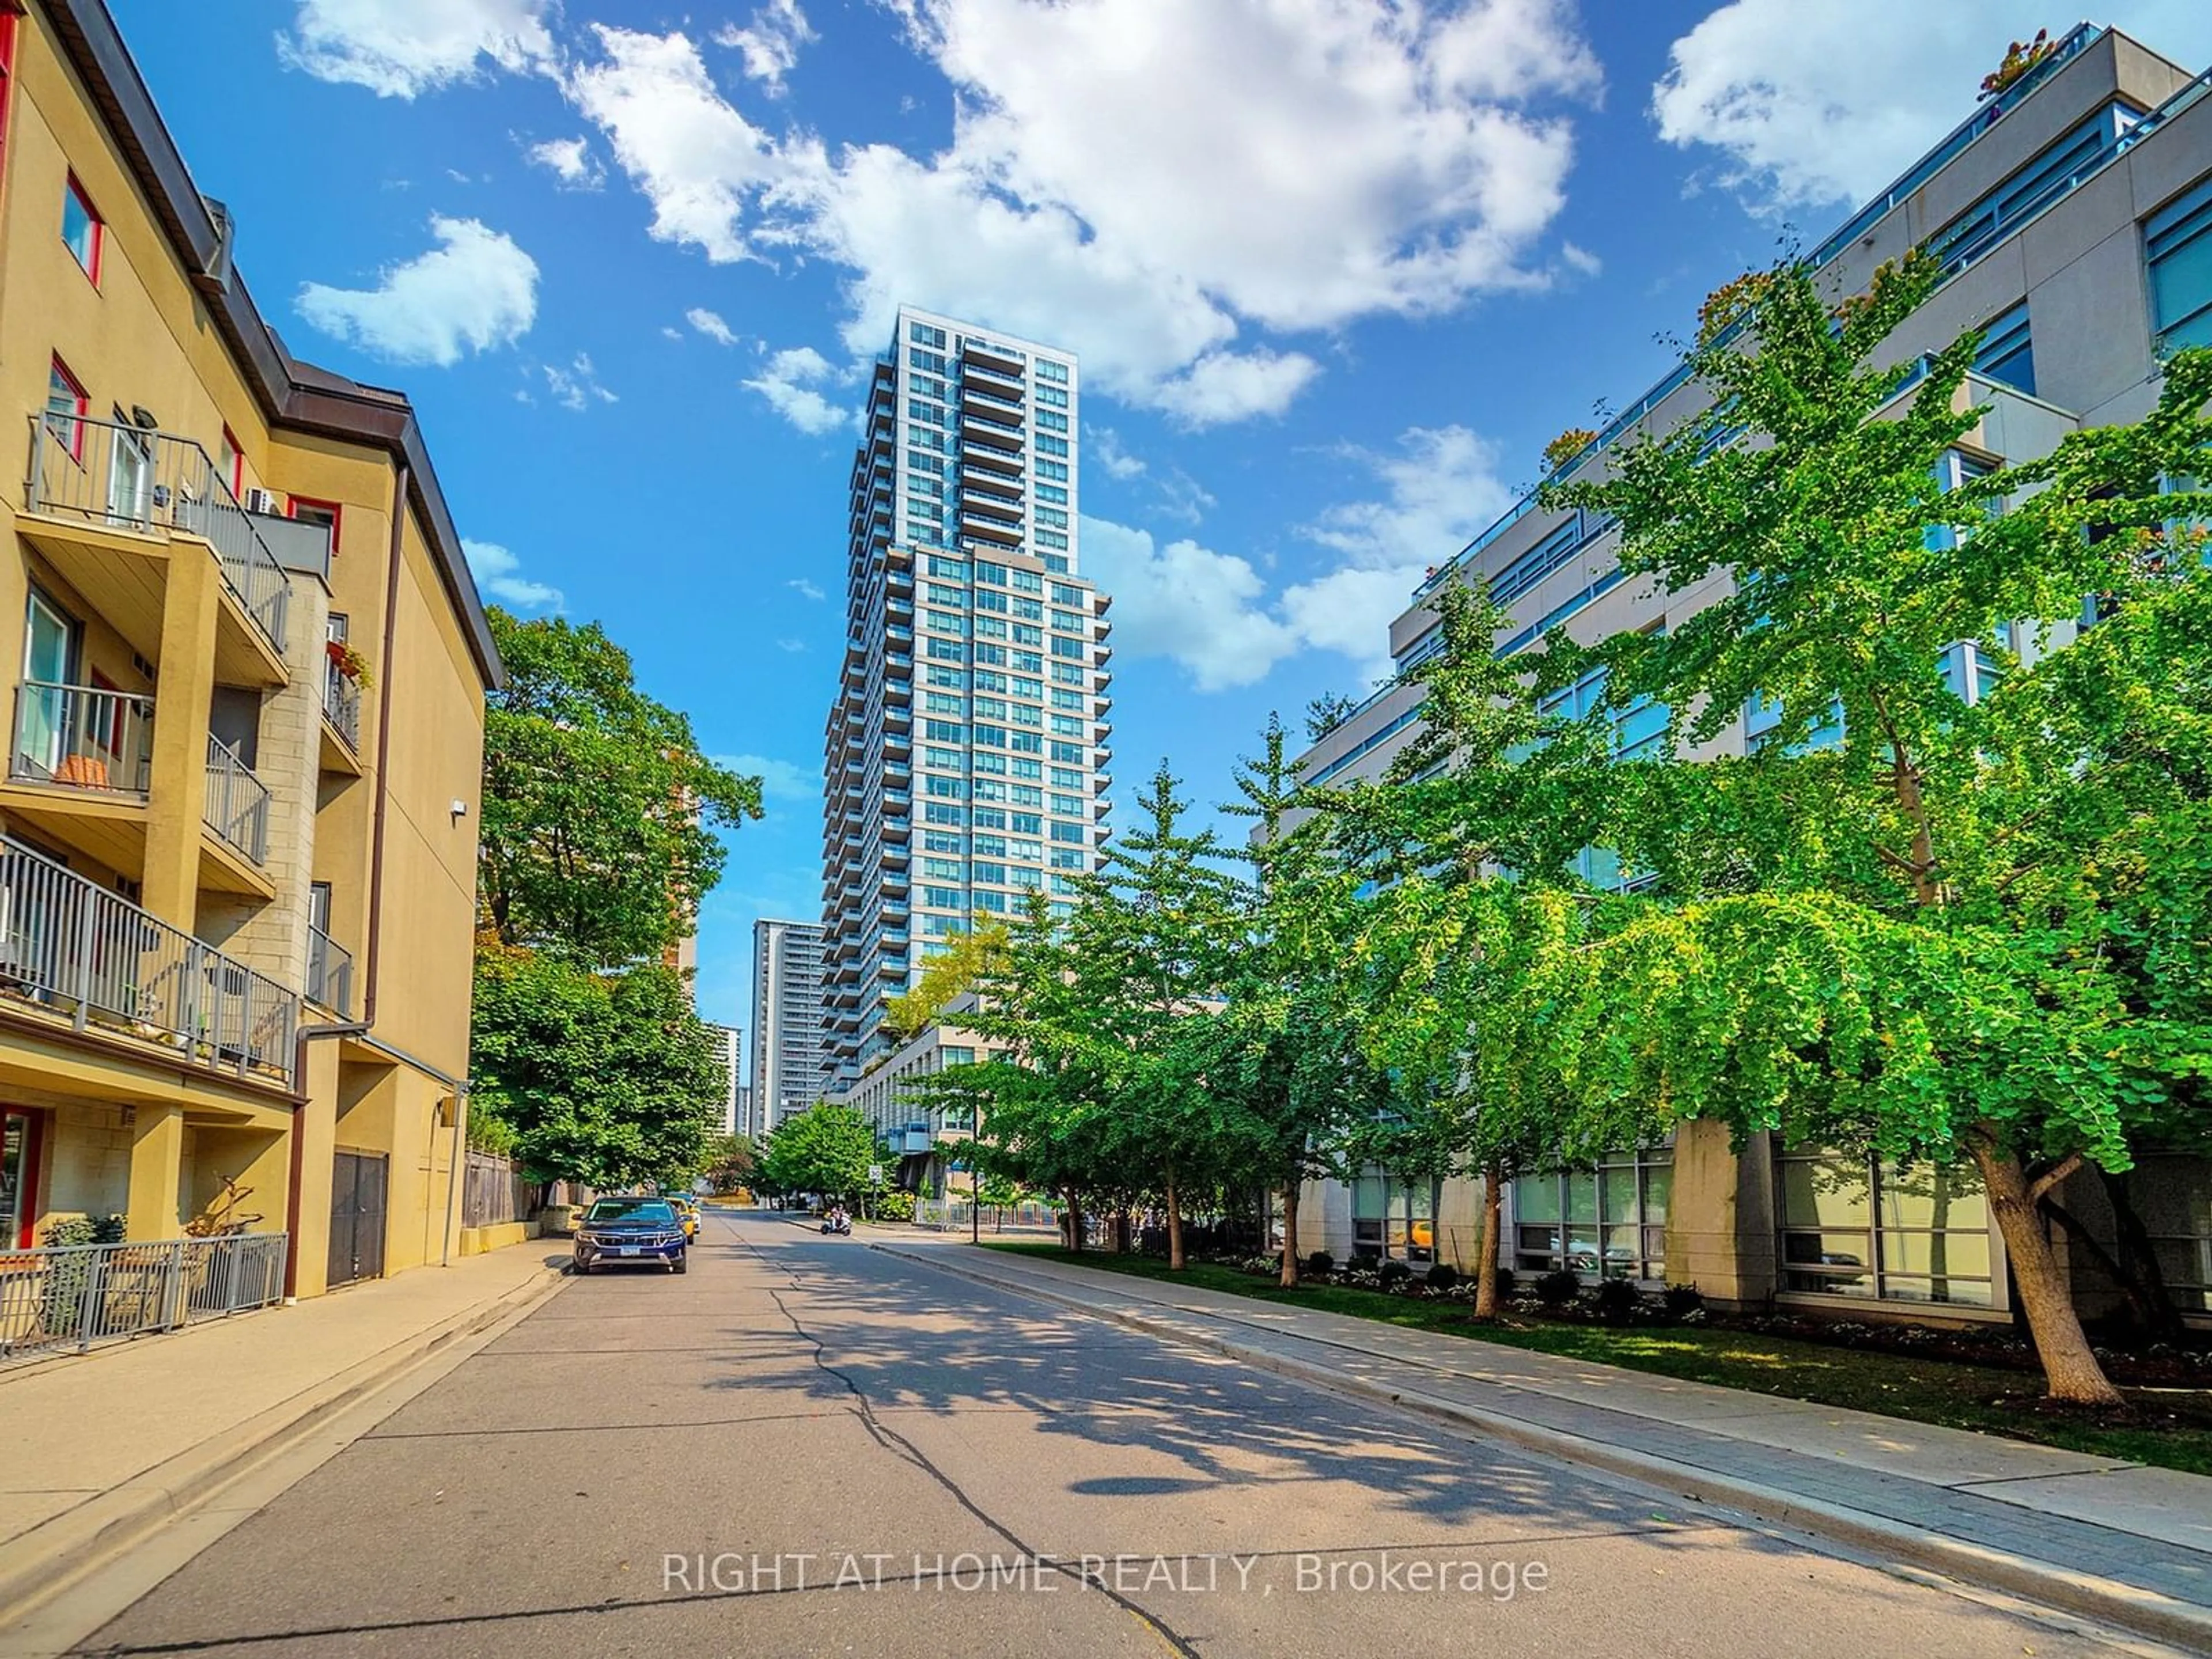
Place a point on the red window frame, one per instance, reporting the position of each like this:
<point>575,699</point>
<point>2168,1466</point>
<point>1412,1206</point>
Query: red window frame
<point>293,503</point>
<point>34,1141</point>
<point>237,479</point>
<point>61,371</point>
<point>7,80</point>
<point>76,188</point>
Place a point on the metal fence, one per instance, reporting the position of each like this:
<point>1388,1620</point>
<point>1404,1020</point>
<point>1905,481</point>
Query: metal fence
<point>493,1191</point>
<point>342,702</point>
<point>83,736</point>
<point>72,948</point>
<point>237,806</point>
<point>329,972</point>
<point>951,1215</point>
<point>67,1299</point>
<point>132,478</point>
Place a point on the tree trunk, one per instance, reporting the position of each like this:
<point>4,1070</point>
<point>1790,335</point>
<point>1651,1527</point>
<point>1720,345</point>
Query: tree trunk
<point>1074,1224</point>
<point>1175,1230</point>
<point>1485,1253</point>
<point>2070,1370</point>
<point>1290,1232</point>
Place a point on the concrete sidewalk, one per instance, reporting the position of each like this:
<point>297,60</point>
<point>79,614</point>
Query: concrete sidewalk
<point>103,1447</point>
<point>2115,1541</point>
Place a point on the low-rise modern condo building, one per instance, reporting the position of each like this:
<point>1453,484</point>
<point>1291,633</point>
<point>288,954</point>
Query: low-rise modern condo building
<point>965,761</point>
<point>238,823</point>
<point>2072,219</point>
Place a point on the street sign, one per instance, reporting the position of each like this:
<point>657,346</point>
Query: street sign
<point>875,1175</point>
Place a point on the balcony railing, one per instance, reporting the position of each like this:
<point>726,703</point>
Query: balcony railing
<point>330,973</point>
<point>83,737</point>
<point>341,703</point>
<point>237,801</point>
<point>73,949</point>
<point>128,477</point>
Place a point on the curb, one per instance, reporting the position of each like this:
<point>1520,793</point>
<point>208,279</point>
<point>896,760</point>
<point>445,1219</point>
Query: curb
<point>54,1557</point>
<point>2145,1612</point>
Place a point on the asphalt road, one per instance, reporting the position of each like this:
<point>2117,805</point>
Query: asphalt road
<point>805,1447</point>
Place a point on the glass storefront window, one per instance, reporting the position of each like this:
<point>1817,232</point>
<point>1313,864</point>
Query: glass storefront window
<point>1609,1222</point>
<point>1393,1217</point>
<point>2173,1197</point>
<point>1854,1227</point>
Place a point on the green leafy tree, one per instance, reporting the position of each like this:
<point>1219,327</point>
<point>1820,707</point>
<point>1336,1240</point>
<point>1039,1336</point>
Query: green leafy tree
<point>1935,932</point>
<point>970,955</point>
<point>608,1079</point>
<point>1486,807</point>
<point>729,1162</point>
<point>825,1149</point>
<point>599,811</point>
<point>1282,1060</point>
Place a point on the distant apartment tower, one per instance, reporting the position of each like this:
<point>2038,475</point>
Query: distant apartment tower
<point>730,1048</point>
<point>787,1020</point>
<point>966,751</point>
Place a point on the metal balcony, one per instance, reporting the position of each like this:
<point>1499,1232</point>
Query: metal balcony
<point>73,950</point>
<point>330,973</point>
<point>237,806</point>
<point>82,737</point>
<point>341,704</point>
<point>113,476</point>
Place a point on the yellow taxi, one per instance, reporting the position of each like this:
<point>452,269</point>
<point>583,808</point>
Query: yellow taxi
<point>687,1212</point>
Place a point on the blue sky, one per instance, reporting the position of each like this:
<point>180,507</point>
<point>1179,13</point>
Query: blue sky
<point>1336,271</point>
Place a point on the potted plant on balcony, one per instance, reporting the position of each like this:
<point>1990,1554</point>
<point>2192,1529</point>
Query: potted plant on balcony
<point>2019,57</point>
<point>1568,445</point>
<point>349,662</point>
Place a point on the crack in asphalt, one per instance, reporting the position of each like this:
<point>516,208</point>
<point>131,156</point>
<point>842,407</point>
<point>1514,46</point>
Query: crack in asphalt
<point>899,1445</point>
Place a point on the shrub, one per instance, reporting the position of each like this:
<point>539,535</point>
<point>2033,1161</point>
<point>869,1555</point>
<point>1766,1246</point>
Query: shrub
<point>1617,1299</point>
<point>1392,1273</point>
<point>1442,1276</point>
<point>1505,1283</point>
<point>1558,1288</point>
<point>893,1207</point>
<point>1682,1301</point>
<point>1320,1262</point>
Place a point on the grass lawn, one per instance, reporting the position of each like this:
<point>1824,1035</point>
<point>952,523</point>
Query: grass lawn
<point>2175,1431</point>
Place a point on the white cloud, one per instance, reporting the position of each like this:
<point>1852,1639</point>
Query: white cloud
<point>571,161</point>
<point>770,42</point>
<point>805,589</point>
<point>1204,609</point>
<point>1361,158</point>
<point>1228,385</point>
<point>710,324</point>
<point>694,156</point>
<point>498,573</point>
<point>789,380</point>
<point>401,48</point>
<point>1211,611</point>
<point>577,386</point>
<point>781,779</point>
<point>791,644</point>
<point>1816,102</point>
<point>1101,446</point>
<point>1580,260</point>
<point>475,291</point>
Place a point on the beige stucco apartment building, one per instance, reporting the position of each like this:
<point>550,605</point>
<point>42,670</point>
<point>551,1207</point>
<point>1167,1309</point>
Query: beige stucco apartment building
<point>2072,216</point>
<point>244,720</point>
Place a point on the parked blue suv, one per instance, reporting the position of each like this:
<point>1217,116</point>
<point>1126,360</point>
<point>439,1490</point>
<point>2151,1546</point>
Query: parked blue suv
<point>622,1230</point>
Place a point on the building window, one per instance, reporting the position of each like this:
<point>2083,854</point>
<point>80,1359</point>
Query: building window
<point>7,79</point>
<point>1857,1227</point>
<point>325,513</point>
<point>2178,245</point>
<point>1391,1218</point>
<point>66,408</point>
<point>2007,352</point>
<point>82,231</point>
<point>1608,1222</point>
<point>19,1140</point>
<point>2173,1196</point>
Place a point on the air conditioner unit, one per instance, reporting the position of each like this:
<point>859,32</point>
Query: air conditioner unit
<point>264,501</point>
